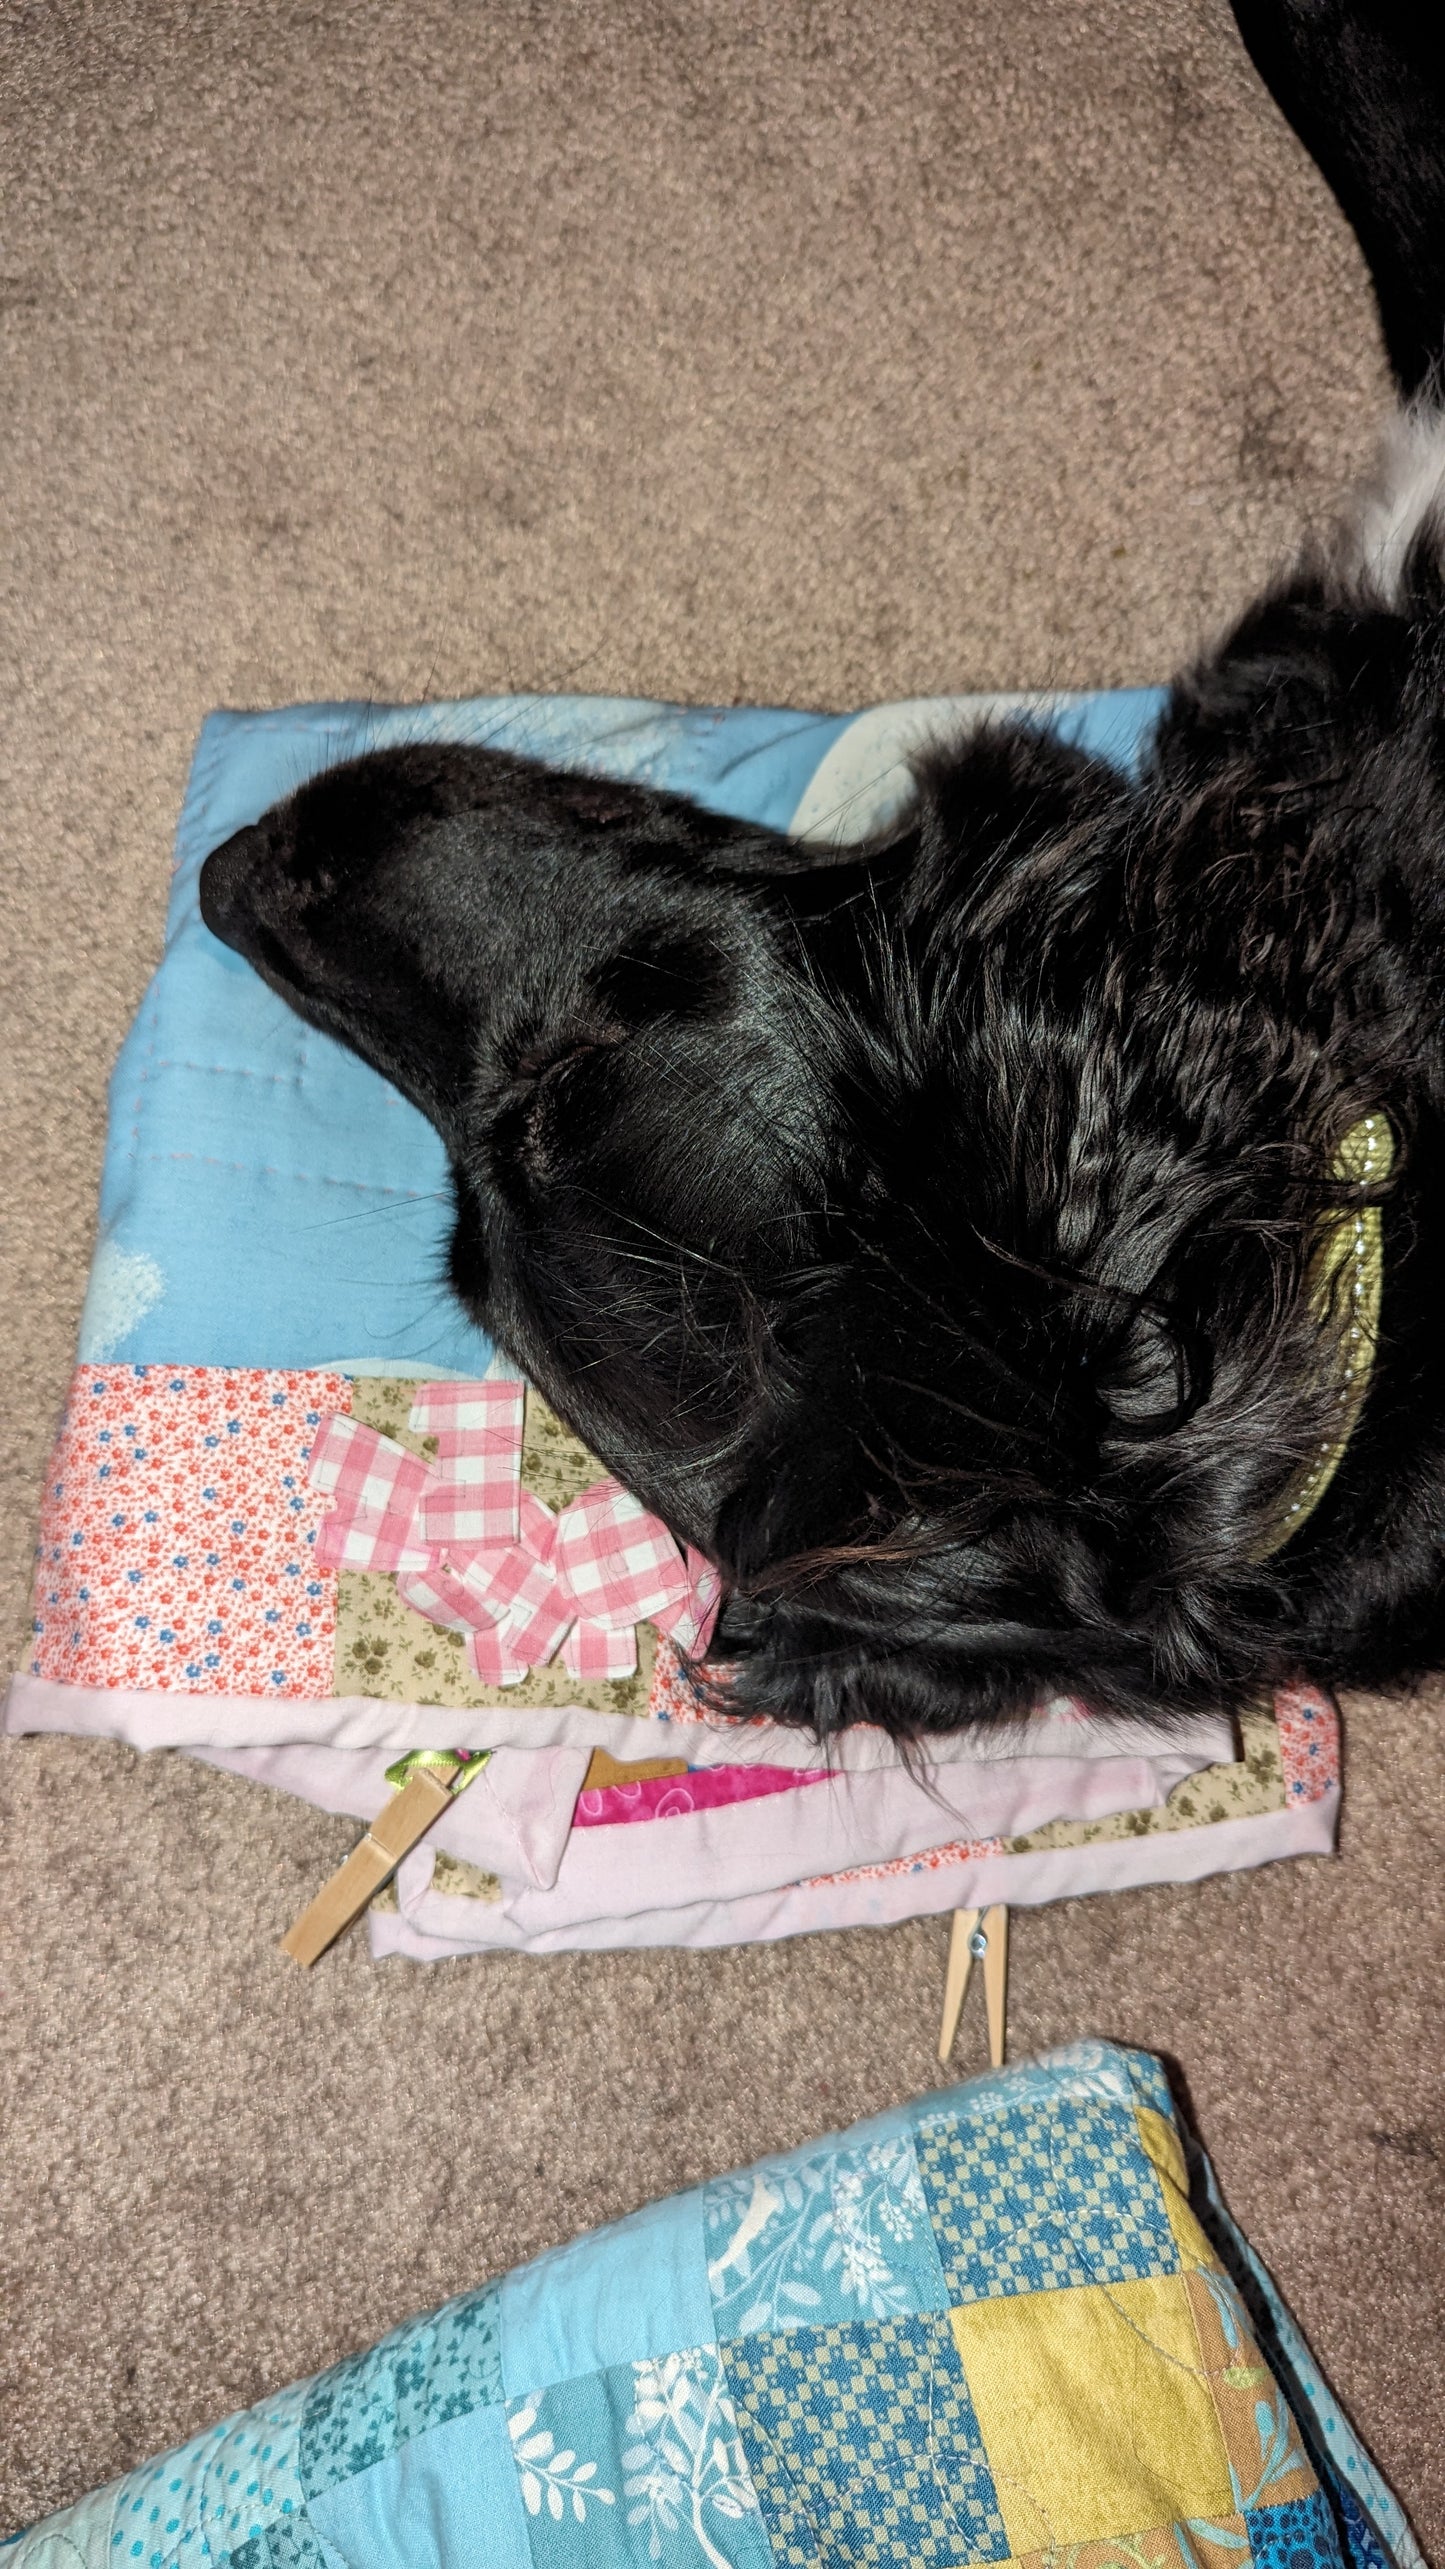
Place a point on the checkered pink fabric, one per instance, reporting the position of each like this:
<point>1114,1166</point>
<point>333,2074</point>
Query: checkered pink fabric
<point>600,1650</point>
<point>439,1595</point>
<point>520,1587</point>
<point>619,1563</point>
<point>534,1583</point>
<point>378,1488</point>
<point>478,1429</point>
<point>690,1623</point>
<point>492,1656</point>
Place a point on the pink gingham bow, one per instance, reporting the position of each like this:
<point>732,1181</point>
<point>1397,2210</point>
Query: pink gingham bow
<point>475,1551</point>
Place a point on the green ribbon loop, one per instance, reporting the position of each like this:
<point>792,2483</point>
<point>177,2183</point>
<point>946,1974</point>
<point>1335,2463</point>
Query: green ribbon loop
<point>462,1764</point>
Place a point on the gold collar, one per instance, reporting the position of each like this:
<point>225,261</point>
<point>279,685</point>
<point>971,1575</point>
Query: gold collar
<point>1344,1286</point>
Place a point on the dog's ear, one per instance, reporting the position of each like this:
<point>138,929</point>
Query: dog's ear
<point>838,1613</point>
<point>1007,792</point>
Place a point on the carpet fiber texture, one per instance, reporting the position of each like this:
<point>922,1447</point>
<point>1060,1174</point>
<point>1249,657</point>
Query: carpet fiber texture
<point>818,351</point>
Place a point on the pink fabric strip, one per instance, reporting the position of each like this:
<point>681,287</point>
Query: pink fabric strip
<point>427,1928</point>
<point>376,1488</point>
<point>475,1551</point>
<point>620,1564</point>
<point>761,1846</point>
<point>706,1788</point>
<point>173,1717</point>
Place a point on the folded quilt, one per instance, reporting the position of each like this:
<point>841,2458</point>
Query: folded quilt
<point>1278,1796</point>
<point>1011,2324</point>
<point>301,1520</point>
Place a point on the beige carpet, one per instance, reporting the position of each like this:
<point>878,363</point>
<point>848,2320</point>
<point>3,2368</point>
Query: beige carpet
<point>821,351</point>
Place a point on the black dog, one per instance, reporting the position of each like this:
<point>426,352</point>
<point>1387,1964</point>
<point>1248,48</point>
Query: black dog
<point>930,1230</point>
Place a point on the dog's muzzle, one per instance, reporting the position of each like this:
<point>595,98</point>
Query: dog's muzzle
<point>228,883</point>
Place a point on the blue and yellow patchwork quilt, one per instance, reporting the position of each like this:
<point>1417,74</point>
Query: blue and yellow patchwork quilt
<point>1010,2324</point>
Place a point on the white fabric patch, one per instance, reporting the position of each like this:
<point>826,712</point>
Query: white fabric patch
<point>124,1285</point>
<point>866,780</point>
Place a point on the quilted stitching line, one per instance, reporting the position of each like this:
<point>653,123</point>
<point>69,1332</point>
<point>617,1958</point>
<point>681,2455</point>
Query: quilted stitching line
<point>231,1070</point>
<point>151,1009</point>
<point>856,2479</point>
<point>191,830</point>
<point>1031,2205</point>
<point>303,1177</point>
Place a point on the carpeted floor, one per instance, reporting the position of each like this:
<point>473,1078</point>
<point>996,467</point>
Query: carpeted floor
<point>819,352</point>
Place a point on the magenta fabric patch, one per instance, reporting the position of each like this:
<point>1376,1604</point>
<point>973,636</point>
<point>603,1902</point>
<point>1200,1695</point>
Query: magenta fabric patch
<point>178,1532</point>
<point>706,1788</point>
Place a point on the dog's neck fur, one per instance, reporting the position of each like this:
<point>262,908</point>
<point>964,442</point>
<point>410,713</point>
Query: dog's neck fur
<point>1348,705</point>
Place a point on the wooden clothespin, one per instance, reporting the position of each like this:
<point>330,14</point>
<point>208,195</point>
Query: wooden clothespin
<point>424,1783</point>
<point>978,1936</point>
<point>603,1770</point>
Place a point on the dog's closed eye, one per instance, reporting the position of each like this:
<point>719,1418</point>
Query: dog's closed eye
<point>538,1062</point>
<point>546,1083</point>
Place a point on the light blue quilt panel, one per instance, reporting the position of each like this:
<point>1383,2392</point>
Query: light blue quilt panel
<point>636,2289</point>
<point>448,2498</point>
<point>766,2371</point>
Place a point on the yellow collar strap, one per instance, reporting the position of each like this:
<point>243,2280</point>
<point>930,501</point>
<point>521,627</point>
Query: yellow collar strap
<point>1344,1286</point>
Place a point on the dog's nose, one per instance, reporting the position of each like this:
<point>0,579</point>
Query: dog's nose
<point>226,878</point>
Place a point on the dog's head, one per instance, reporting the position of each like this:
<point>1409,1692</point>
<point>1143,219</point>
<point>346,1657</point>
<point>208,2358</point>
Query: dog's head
<point>921,1229</point>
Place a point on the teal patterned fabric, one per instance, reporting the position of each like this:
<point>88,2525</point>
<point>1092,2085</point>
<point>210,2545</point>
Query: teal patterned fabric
<point>845,2235</point>
<point>421,2376</point>
<point>679,2488</point>
<point>1081,2179</point>
<point>890,2389</point>
<point>1012,2323</point>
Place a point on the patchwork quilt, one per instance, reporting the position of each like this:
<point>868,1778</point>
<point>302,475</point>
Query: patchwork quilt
<point>1010,2324</point>
<point>302,1520</point>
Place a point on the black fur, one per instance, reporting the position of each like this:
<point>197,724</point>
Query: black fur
<point>1363,84</point>
<point>922,1229</point>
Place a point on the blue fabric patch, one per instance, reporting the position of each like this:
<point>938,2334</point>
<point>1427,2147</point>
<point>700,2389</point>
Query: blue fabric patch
<point>843,2234</point>
<point>636,2289</point>
<point>446,2498</point>
<point>637,2464</point>
<point>1056,2193</point>
<point>212,2496</point>
<point>267,1199</point>
<point>1116,725</point>
<point>1084,2072</point>
<point>1149,2083</point>
<point>1101,2073</point>
<point>290,2543</point>
<point>425,2373</point>
<point>1298,2535</point>
<point>1365,2548</point>
<point>864,2447</point>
